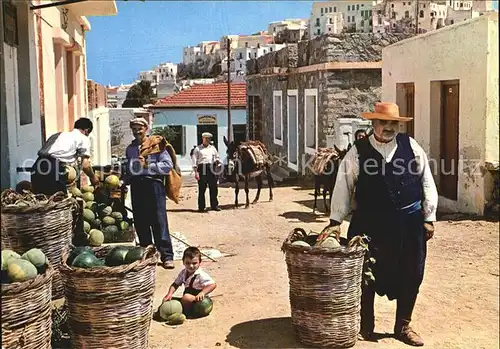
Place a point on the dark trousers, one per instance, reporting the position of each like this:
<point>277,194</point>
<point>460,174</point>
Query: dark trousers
<point>150,215</point>
<point>48,176</point>
<point>207,178</point>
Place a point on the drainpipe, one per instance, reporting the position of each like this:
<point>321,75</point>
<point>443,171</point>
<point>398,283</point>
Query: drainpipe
<point>40,74</point>
<point>84,63</point>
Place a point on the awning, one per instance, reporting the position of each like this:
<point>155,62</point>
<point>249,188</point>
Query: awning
<point>93,8</point>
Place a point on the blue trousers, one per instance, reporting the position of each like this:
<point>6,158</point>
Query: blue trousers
<point>150,215</point>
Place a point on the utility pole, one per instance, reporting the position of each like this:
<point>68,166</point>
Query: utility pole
<point>416,16</point>
<point>229,124</point>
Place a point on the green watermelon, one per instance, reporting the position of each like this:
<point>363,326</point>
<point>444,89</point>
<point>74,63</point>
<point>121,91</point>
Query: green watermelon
<point>77,251</point>
<point>106,211</point>
<point>118,217</point>
<point>76,192</point>
<point>96,238</point>
<point>124,225</point>
<point>169,308</point>
<point>116,256</point>
<point>135,254</point>
<point>36,257</point>
<point>202,308</point>
<point>176,319</point>
<point>109,233</point>
<point>95,223</point>
<point>88,215</point>
<point>91,205</point>
<point>108,220</point>
<point>85,260</point>
<point>87,189</point>
<point>20,270</point>
<point>112,182</point>
<point>86,226</point>
<point>88,196</point>
<point>7,255</point>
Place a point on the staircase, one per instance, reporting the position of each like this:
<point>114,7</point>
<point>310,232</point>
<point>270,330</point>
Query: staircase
<point>280,174</point>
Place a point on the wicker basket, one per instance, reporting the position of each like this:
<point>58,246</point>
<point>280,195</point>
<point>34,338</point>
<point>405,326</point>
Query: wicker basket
<point>110,307</point>
<point>325,291</point>
<point>26,313</point>
<point>48,227</point>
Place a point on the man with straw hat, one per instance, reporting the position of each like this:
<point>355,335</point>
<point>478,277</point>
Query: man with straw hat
<point>395,201</point>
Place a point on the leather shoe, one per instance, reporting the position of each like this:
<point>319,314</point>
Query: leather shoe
<point>407,335</point>
<point>168,265</point>
<point>216,209</point>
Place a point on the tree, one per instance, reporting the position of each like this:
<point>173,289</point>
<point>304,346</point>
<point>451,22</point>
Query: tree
<point>138,95</point>
<point>166,132</point>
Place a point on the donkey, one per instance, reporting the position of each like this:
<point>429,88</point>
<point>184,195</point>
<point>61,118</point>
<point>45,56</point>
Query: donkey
<point>241,166</point>
<point>327,177</point>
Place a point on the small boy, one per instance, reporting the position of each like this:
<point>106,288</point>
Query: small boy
<point>197,283</point>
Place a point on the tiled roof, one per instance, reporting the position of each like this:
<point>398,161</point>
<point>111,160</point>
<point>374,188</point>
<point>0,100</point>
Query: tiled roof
<point>206,95</point>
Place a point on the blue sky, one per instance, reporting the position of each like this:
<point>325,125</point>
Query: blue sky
<point>144,34</point>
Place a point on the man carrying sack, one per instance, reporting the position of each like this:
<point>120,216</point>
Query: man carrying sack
<point>148,165</point>
<point>395,205</point>
<point>55,167</point>
<point>206,161</point>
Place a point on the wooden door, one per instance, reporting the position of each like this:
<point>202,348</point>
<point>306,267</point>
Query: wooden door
<point>410,108</point>
<point>449,140</point>
<point>254,118</point>
<point>208,128</point>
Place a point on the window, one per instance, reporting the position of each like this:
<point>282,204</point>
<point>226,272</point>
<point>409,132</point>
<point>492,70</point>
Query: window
<point>379,12</point>
<point>348,7</point>
<point>348,19</point>
<point>357,7</point>
<point>404,3</point>
<point>392,5</point>
<point>322,10</point>
<point>319,32</point>
<point>317,22</point>
<point>331,20</point>
<point>335,9</point>
<point>239,133</point>
<point>292,128</point>
<point>380,20</point>
<point>179,141</point>
<point>370,13</point>
<point>278,117</point>
<point>407,14</point>
<point>362,13</point>
<point>240,56</point>
<point>393,15</point>
<point>311,120</point>
<point>330,9</point>
<point>421,13</point>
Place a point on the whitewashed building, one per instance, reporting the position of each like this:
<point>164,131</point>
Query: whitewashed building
<point>191,54</point>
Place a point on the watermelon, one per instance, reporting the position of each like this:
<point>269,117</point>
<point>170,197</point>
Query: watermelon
<point>108,220</point>
<point>36,257</point>
<point>124,225</point>
<point>77,251</point>
<point>116,256</point>
<point>91,205</point>
<point>329,242</point>
<point>176,319</point>
<point>112,182</point>
<point>202,308</point>
<point>7,255</point>
<point>85,260</point>
<point>20,270</point>
<point>300,243</point>
<point>88,196</point>
<point>96,237</point>
<point>135,254</point>
<point>87,189</point>
<point>105,211</point>
<point>109,233</point>
<point>88,215</point>
<point>169,308</point>
<point>76,192</point>
<point>86,226</point>
<point>117,216</point>
<point>95,223</point>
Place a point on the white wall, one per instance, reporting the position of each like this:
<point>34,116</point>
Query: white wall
<point>100,137</point>
<point>451,54</point>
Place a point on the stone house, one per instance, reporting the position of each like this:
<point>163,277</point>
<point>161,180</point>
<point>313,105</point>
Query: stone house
<point>452,93</point>
<point>310,95</point>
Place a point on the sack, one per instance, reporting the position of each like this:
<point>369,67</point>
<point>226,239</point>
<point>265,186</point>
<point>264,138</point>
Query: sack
<point>173,182</point>
<point>44,151</point>
<point>153,145</point>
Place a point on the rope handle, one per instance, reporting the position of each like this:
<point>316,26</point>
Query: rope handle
<point>294,235</point>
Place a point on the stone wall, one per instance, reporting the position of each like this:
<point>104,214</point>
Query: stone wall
<point>121,135</point>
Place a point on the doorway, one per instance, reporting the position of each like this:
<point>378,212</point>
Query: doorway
<point>254,118</point>
<point>405,99</point>
<point>208,128</point>
<point>449,139</point>
<point>293,134</point>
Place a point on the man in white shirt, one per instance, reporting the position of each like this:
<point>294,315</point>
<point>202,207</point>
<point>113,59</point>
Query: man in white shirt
<point>63,149</point>
<point>206,161</point>
<point>386,178</point>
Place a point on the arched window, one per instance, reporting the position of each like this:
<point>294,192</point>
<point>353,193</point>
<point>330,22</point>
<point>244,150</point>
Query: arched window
<point>407,14</point>
<point>421,13</point>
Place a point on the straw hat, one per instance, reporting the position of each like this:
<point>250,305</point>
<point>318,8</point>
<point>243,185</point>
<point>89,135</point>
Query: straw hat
<point>385,111</point>
<point>206,134</point>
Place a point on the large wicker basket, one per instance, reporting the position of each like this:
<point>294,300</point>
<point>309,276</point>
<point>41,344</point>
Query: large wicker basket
<point>110,307</point>
<point>325,291</point>
<point>26,313</point>
<point>48,227</point>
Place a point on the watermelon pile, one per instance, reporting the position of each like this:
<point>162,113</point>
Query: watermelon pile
<point>85,257</point>
<point>103,223</point>
<point>173,313</point>
<point>20,268</point>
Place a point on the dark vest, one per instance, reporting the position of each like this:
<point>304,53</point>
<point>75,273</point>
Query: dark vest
<point>384,188</point>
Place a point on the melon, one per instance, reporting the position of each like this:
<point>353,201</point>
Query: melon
<point>88,196</point>
<point>76,192</point>
<point>112,182</point>
<point>300,243</point>
<point>86,226</point>
<point>169,308</point>
<point>105,211</point>
<point>91,205</point>
<point>95,223</point>
<point>135,254</point>
<point>109,233</point>
<point>329,242</point>
<point>70,174</point>
<point>118,217</point>
<point>202,308</point>
<point>20,270</point>
<point>116,256</point>
<point>108,220</point>
<point>88,215</point>
<point>85,260</point>
<point>176,319</point>
<point>124,225</point>
<point>96,237</point>
<point>88,189</point>
<point>36,257</point>
<point>76,252</point>
<point>7,255</point>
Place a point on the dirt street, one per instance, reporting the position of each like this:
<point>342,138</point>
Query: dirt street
<point>458,306</point>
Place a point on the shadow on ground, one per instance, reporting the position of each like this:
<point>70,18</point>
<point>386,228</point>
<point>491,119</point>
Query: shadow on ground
<point>305,217</point>
<point>264,333</point>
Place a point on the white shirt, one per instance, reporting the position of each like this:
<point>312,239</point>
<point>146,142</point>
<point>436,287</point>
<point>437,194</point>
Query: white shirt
<point>343,193</point>
<point>69,146</point>
<point>204,155</point>
<point>202,279</point>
